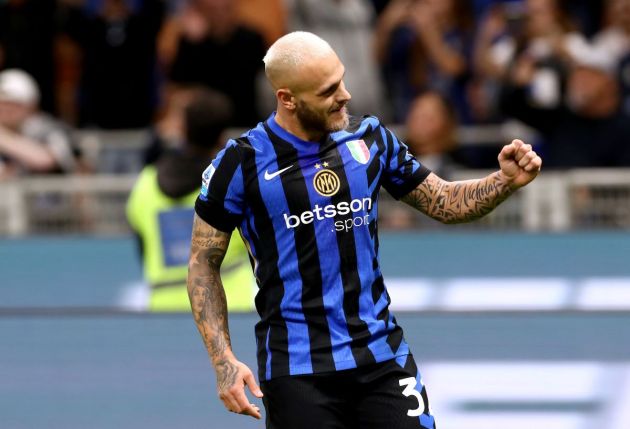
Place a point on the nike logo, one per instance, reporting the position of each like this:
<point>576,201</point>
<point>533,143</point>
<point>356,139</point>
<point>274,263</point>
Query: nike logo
<point>277,173</point>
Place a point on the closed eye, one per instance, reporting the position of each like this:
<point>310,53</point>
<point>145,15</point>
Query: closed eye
<point>329,90</point>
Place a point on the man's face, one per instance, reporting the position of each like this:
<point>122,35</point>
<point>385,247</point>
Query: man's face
<point>13,114</point>
<point>429,125</point>
<point>321,100</point>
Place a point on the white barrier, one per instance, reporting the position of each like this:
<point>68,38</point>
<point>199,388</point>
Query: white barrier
<point>556,201</point>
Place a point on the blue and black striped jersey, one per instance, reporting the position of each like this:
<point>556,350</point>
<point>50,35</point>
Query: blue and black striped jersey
<point>308,213</point>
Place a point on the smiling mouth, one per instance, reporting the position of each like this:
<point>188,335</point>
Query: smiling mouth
<point>339,109</point>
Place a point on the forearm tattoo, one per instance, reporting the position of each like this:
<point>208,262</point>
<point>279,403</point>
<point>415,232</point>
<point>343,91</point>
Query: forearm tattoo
<point>458,202</point>
<point>207,297</point>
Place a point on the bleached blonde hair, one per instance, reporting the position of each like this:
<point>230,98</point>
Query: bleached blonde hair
<point>291,51</point>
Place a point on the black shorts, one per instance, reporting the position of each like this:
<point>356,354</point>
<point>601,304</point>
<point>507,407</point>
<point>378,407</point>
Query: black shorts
<point>380,396</point>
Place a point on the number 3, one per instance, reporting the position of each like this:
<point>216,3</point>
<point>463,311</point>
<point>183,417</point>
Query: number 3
<point>410,390</point>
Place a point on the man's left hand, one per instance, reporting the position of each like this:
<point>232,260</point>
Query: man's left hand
<point>519,163</point>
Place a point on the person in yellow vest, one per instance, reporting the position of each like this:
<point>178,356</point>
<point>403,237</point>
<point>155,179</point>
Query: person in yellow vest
<point>160,211</point>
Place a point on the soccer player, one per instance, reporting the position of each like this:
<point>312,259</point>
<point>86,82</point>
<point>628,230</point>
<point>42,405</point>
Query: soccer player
<point>302,189</point>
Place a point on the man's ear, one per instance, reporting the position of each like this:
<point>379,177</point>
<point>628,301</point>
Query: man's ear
<point>286,98</point>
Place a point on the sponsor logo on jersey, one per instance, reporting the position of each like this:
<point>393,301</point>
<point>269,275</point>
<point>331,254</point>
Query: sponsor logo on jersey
<point>359,151</point>
<point>326,182</point>
<point>343,208</point>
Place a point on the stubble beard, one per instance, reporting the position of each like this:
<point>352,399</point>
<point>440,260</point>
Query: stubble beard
<point>318,122</point>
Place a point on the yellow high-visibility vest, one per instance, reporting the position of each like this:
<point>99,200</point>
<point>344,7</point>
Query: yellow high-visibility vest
<point>164,225</point>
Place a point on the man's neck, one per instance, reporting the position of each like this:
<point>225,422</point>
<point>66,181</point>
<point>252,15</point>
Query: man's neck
<point>293,126</point>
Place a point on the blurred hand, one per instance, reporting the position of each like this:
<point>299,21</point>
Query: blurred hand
<point>519,163</point>
<point>232,377</point>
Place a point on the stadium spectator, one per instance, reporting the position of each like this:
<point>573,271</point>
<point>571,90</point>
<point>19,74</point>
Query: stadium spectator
<point>542,33</point>
<point>118,86</point>
<point>586,130</point>
<point>27,38</point>
<point>425,44</point>
<point>31,141</point>
<point>348,25</point>
<point>160,210</point>
<point>611,45</point>
<point>431,133</point>
<point>208,46</point>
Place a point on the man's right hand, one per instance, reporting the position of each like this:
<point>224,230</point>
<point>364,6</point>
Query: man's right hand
<point>232,377</point>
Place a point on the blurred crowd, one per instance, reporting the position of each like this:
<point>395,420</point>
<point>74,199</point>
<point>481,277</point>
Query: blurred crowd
<point>429,66</point>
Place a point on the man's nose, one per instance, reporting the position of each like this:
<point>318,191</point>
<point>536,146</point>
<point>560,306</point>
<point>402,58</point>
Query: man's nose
<point>344,95</point>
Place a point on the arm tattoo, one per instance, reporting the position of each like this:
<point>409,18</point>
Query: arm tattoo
<point>207,297</point>
<point>458,202</point>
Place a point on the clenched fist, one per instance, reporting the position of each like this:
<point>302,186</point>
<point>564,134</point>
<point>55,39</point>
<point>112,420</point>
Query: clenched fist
<point>519,163</point>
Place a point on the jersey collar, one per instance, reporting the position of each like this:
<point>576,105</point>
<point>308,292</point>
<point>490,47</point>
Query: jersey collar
<point>297,142</point>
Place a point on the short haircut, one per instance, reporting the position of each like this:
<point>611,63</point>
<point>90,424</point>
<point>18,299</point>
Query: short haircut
<point>292,50</point>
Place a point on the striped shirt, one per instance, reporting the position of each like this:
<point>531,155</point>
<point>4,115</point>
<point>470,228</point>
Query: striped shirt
<point>308,213</point>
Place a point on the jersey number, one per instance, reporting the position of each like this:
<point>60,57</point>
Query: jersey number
<point>410,390</point>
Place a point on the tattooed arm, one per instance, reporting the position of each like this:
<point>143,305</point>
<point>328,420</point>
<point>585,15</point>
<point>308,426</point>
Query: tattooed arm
<point>209,307</point>
<point>457,202</point>
<point>465,201</point>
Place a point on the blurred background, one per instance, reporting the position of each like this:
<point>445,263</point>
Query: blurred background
<point>519,320</point>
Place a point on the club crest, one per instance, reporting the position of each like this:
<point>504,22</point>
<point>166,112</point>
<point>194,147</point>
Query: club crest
<point>326,182</point>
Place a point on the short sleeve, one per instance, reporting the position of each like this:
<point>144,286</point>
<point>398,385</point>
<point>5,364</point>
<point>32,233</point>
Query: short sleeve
<point>220,202</point>
<point>403,173</point>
